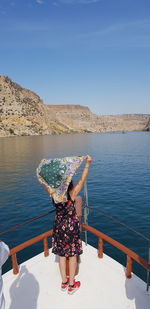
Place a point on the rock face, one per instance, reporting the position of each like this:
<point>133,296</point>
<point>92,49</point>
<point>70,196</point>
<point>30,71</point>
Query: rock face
<point>147,127</point>
<point>22,112</point>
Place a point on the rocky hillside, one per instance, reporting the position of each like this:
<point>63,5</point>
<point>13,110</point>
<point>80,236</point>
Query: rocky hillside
<point>22,112</point>
<point>81,119</point>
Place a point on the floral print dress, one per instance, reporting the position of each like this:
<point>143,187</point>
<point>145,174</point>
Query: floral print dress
<point>66,231</point>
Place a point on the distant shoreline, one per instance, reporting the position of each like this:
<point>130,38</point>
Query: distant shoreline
<point>23,113</point>
<point>62,134</point>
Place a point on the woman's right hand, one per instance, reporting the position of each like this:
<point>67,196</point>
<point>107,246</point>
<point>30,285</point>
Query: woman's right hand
<point>88,159</point>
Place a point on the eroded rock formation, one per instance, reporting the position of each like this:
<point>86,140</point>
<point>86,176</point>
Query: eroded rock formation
<point>22,112</point>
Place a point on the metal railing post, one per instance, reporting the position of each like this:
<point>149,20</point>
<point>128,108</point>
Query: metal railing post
<point>148,276</point>
<point>86,211</point>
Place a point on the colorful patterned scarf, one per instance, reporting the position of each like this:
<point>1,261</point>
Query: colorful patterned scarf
<point>56,175</point>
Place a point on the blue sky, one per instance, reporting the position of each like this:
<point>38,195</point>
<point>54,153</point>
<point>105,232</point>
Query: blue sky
<point>90,52</point>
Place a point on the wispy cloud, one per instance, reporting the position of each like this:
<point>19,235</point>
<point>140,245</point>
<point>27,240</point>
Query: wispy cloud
<point>48,34</point>
<point>75,1</point>
<point>40,1</point>
<point>58,2</point>
<point>129,34</point>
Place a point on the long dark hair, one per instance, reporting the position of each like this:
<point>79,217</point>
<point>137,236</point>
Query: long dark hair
<point>70,187</point>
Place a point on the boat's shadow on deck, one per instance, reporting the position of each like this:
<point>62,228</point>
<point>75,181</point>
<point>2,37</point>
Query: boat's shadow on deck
<point>135,294</point>
<point>24,291</point>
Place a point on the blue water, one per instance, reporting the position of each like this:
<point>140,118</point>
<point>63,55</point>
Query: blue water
<point>118,185</point>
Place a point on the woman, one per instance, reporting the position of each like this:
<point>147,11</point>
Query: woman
<point>66,240</point>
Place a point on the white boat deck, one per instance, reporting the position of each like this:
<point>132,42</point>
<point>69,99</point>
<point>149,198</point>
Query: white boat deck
<point>103,285</point>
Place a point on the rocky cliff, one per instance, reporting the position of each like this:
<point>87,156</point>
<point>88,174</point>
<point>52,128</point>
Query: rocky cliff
<point>22,112</point>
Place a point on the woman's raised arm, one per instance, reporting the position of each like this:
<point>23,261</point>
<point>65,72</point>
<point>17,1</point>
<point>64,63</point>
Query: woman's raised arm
<point>78,186</point>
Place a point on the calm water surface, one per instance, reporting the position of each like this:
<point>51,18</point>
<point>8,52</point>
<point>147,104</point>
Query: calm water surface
<point>118,185</point>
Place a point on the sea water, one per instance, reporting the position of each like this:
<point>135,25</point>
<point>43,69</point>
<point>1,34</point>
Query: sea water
<point>118,185</point>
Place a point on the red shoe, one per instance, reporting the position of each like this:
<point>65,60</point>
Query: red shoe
<point>64,286</point>
<point>74,288</point>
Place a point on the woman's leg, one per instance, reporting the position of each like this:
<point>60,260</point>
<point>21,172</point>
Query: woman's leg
<point>62,267</point>
<point>72,268</point>
<point>78,207</point>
